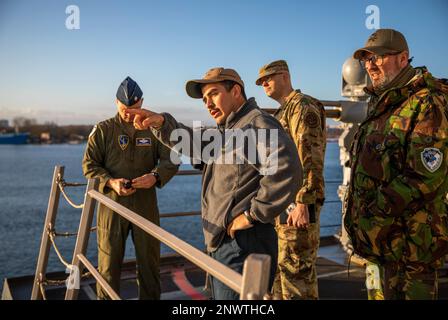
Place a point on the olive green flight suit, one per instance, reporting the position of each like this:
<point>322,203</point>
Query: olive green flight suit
<point>116,150</point>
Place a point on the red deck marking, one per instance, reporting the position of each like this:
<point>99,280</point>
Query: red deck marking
<point>180,279</point>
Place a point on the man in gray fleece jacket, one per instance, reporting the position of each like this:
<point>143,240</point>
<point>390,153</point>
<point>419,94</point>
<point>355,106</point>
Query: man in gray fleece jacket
<point>241,193</point>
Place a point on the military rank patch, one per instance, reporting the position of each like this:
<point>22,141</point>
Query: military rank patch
<point>123,141</point>
<point>143,142</point>
<point>311,120</point>
<point>432,159</point>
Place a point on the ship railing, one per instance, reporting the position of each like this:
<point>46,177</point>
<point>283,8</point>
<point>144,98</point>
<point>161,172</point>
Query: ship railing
<point>251,284</point>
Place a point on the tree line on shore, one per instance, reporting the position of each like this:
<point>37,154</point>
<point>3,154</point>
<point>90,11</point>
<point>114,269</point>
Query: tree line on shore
<point>50,132</point>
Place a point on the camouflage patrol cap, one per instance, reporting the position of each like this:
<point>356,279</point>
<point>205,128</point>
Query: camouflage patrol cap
<point>383,41</point>
<point>194,87</point>
<point>270,69</point>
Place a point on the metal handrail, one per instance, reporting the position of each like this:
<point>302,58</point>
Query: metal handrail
<point>236,282</point>
<point>180,214</point>
<point>112,294</point>
<point>38,291</point>
<point>205,262</point>
<point>44,250</point>
<point>252,284</point>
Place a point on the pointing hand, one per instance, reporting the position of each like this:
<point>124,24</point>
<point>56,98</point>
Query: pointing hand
<point>145,118</point>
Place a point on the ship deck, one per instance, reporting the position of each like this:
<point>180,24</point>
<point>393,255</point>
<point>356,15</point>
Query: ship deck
<point>182,280</point>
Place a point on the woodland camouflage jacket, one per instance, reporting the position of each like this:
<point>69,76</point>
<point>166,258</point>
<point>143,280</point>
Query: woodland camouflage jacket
<point>395,207</point>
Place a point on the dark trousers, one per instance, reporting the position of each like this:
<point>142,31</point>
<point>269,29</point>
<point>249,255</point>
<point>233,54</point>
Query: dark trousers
<point>261,238</point>
<point>112,233</point>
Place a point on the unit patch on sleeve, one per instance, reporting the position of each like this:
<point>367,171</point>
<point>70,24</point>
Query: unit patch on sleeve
<point>432,159</point>
<point>311,120</point>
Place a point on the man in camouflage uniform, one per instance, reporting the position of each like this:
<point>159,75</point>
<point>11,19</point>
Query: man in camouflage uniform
<point>303,118</point>
<point>117,154</point>
<point>396,215</point>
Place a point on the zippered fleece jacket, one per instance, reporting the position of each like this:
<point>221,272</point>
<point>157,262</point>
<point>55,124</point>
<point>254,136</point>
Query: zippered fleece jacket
<point>233,180</point>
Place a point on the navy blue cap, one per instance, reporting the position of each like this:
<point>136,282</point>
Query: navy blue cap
<point>129,93</point>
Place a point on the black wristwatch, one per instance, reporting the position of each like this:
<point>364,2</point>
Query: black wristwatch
<point>155,174</point>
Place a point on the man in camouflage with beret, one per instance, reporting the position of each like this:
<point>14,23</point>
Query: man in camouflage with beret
<point>396,212</point>
<point>129,164</point>
<point>303,118</point>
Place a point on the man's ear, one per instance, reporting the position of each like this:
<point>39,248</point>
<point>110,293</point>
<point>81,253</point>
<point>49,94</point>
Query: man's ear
<point>236,90</point>
<point>286,77</point>
<point>403,59</point>
<point>117,102</point>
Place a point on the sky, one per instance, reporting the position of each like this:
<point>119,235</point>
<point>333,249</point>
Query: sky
<point>70,76</point>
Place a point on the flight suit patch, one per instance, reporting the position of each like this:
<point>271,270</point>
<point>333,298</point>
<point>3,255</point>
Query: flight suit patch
<point>123,141</point>
<point>143,142</point>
